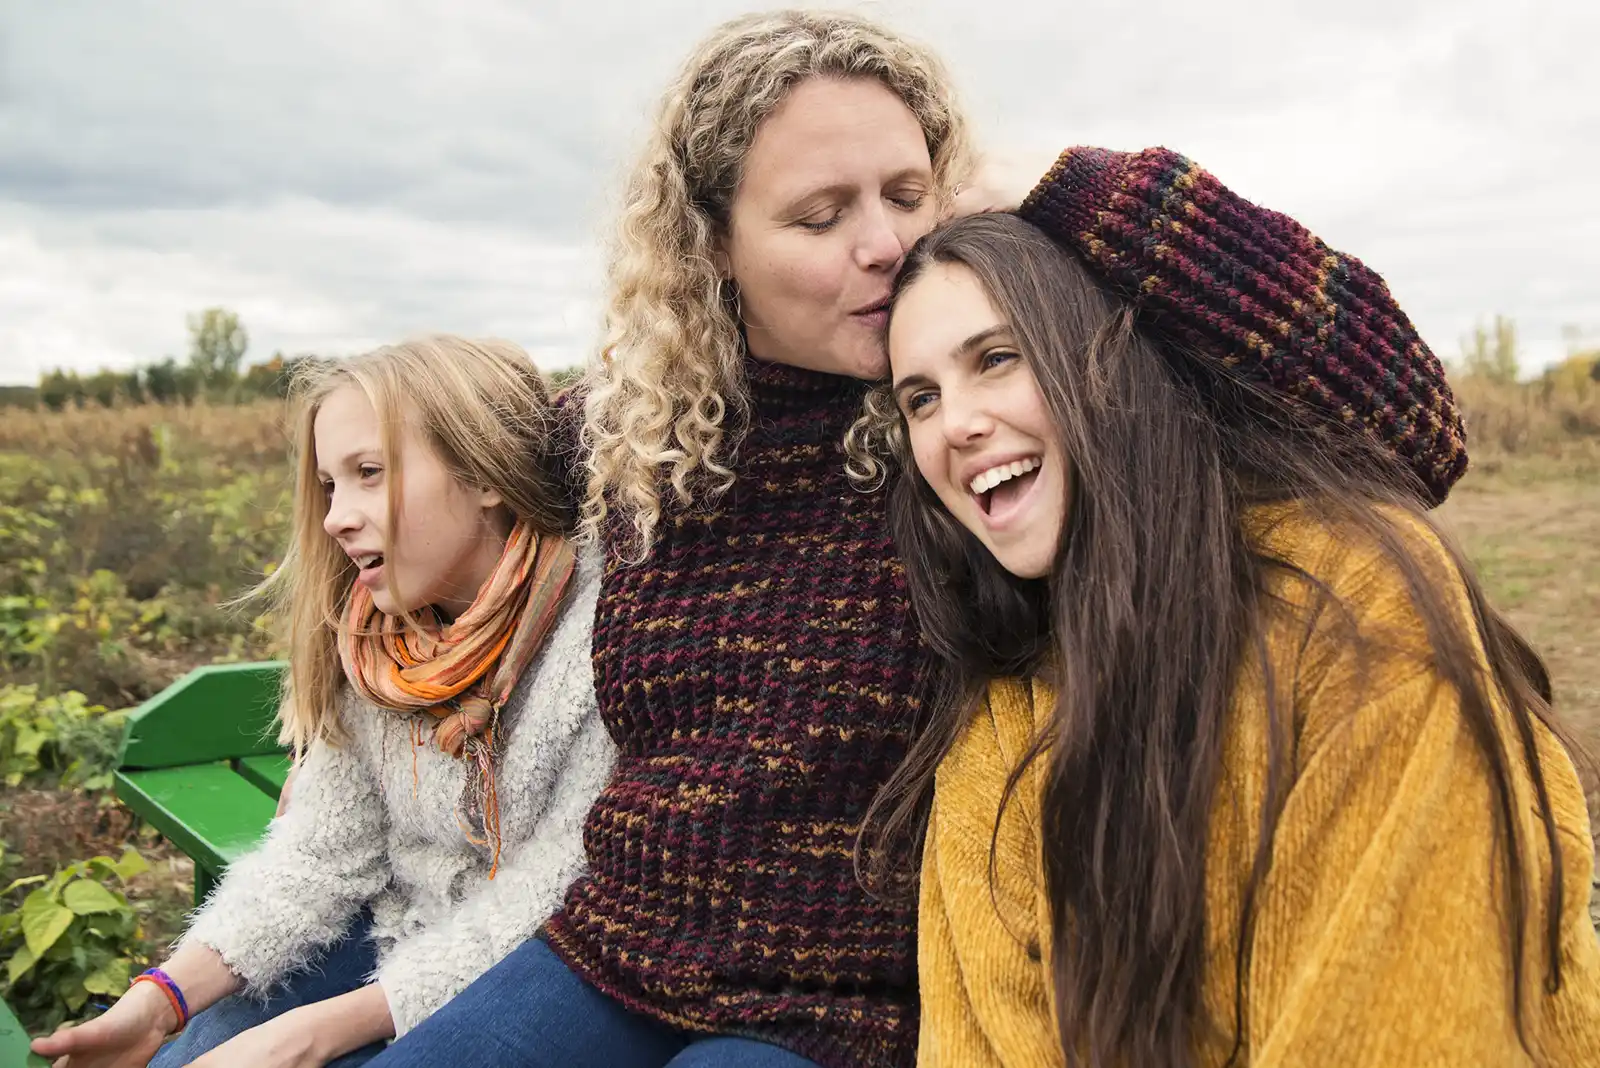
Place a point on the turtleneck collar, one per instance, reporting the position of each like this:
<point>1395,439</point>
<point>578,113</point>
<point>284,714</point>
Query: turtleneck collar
<point>780,386</point>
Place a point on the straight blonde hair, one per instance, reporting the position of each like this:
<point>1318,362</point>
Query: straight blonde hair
<point>482,407</point>
<point>672,359</point>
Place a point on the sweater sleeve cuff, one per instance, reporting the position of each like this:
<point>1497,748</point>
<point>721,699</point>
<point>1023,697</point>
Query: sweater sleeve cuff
<point>1044,206</point>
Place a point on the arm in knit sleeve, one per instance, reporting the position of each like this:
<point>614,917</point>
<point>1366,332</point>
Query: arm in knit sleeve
<point>299,889</point>
<point>557,760</point>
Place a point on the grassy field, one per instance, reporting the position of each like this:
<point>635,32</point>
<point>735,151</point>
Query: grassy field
<point>1532,528</point>
<point>123,532</point>
<point>1531,525</point>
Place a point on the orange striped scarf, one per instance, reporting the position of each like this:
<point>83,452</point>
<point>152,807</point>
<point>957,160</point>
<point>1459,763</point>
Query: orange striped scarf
<point>462,672</point>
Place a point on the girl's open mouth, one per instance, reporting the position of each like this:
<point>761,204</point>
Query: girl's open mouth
<point>1002,490</point>
<point>370,569</point>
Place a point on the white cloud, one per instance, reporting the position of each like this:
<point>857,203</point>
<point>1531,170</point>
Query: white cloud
<point>113,289</point>
<point>347,171</point>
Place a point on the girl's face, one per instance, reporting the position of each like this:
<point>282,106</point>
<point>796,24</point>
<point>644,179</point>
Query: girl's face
<point>978,425</point>
<point>837,186</point>
<point>450,536</point>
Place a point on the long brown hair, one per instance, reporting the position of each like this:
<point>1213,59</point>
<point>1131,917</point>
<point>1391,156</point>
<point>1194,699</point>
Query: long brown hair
<point>1154,605</point>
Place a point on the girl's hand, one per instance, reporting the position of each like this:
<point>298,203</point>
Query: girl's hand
<point>287,1041</point>
<point>310,1036</point>
<point>126,1036</point>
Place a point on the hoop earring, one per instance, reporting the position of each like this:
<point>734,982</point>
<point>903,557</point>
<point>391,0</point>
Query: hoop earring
<point>730,295</point>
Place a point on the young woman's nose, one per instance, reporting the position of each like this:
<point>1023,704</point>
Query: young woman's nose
<point>963,420</point>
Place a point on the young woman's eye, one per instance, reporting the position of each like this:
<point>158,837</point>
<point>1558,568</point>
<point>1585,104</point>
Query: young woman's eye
<point>327,486</point>
<point>909,201</point>
<point>919,400</point>
<point>369,471</point>
<point>995,357</point>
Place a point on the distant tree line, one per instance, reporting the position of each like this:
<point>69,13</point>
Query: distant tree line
<point>1490,353</point>
<point>214,372</point>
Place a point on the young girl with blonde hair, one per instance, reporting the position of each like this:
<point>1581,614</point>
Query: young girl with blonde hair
<point>440,699</point>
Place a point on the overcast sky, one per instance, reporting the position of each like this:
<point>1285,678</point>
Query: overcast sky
<point>346,172</point>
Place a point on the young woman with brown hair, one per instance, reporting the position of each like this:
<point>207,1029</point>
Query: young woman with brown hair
<point>1235,764</point>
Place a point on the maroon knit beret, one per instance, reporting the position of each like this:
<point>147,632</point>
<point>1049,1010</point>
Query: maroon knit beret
<point>1258,292</point>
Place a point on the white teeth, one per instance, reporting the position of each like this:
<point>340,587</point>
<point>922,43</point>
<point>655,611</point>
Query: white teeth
<point>366,561</point>
<point>988,480</point>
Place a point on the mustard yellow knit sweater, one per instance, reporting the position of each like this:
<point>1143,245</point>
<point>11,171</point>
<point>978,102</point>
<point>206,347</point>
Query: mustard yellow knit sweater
<point>1382,931</point>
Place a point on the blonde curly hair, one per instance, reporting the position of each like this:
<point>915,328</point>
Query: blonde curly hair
<point>670,368</point>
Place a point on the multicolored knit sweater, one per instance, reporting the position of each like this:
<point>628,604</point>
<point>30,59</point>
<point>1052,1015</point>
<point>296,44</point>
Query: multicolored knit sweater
<point>758,672</point>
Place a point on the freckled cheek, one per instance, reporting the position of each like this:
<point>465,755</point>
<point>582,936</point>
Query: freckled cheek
<point>806,277</point>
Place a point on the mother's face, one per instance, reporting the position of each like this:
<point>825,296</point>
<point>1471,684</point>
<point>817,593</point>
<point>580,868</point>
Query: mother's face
<point>837,186</point>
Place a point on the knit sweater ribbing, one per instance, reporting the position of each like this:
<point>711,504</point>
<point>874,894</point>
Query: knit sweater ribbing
<point>758,672</point>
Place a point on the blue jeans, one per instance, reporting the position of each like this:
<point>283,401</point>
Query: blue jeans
<point>343,967</point>
<point>531,1011</point>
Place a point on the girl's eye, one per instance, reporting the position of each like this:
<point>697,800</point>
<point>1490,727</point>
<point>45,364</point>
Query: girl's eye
<point>909,202</point>
<point>327,486</point>
<point>370,470</point>
<point>919,400</point>
<point>995,357</point>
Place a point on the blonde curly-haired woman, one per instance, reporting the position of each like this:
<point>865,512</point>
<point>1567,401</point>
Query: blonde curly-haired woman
<point>755,655</point>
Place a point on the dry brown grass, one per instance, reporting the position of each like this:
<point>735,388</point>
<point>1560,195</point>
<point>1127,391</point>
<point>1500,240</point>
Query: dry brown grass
<point>230,431</point>
<point>1525,417</point>
<point>1528,515</point>
<point>1530,523</point>
<point>1532,529</point>
<point>121,532</point>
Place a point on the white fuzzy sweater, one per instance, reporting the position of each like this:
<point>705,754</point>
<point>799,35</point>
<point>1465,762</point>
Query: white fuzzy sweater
<point>362,831</point>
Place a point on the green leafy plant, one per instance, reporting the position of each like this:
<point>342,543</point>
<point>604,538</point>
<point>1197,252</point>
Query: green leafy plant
<point>64,736</point>
<point>73,936</point>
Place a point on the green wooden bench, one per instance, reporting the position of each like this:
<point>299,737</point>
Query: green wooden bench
<point>14,1043</point>
<point>201,763</point>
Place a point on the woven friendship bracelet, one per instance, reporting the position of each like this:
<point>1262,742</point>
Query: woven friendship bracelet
<point>170,988</point>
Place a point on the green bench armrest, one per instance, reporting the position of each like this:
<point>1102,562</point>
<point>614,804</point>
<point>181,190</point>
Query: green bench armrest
<point>221,712</point>
<point>201,763</point>
<point>267,772</point>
